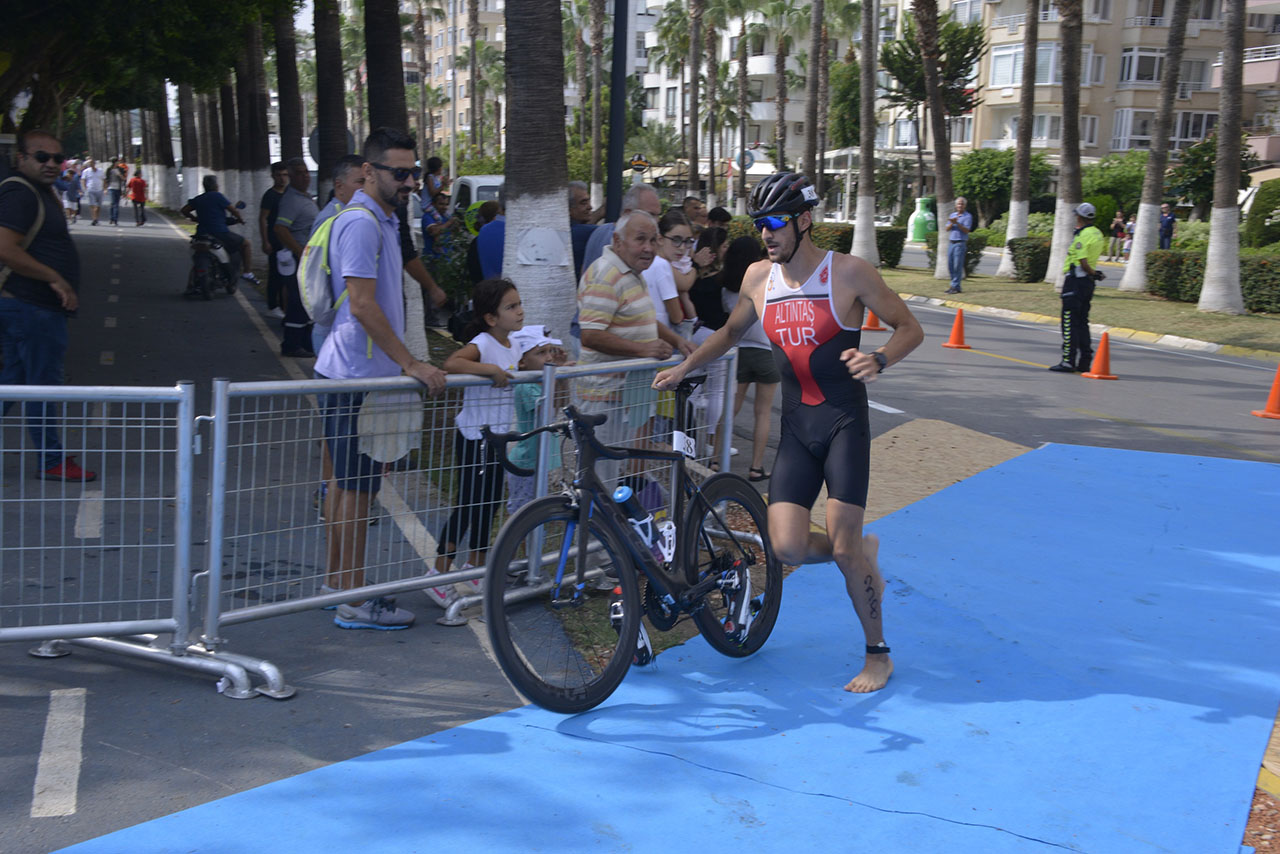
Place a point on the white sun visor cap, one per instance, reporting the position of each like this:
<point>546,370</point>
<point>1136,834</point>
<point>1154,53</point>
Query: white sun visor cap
<point>531,336</point>
<point>1086,210</point>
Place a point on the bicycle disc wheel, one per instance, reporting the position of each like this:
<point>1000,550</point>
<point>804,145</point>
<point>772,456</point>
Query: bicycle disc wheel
<point>728,536</point>
<point>565,648</point>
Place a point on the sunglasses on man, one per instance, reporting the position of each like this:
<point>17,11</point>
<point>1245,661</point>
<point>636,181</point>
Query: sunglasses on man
<point>775,222</point>
<point>45,157</point>
<point>399,173</point>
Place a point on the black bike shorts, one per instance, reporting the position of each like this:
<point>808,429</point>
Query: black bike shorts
<point>822,443</point>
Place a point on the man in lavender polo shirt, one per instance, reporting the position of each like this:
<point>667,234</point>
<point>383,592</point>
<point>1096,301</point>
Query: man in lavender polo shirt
<point>367,341</point>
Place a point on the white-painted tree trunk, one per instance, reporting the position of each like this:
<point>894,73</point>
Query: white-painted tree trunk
<point>597,196</point>
<point>941,270</point>
<point>190,185</point>
<point>415,326</point>
<point>173,199</point>
<point>1018,212</point>
<point>864,232</point>
<point>538,257</point>
<point>1221,289</point>
<point>1064,225</point>
<point>1145,233</point>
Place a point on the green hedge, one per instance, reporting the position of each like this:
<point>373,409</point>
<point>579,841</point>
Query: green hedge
<point>836,237</point>
<point>1030,258</point>
<point>1179,276</point>
<point>1256,230</point>
<point>972,254</point>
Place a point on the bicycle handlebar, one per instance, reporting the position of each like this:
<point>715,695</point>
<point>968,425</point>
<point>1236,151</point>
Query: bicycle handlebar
<point>587,423</point>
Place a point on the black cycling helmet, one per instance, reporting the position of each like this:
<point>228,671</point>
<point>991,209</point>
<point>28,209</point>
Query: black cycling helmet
<point>782,192</point>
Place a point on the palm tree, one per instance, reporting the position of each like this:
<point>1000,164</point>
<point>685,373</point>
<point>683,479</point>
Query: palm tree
<point>864,232</point>
<point>782,17</point>
<point>714,20</point>
<point>1221,289</point>
<point>473,75</point>
<point>353,63</point>
<point>597,90</point>
<point>287,82</point>
<point>493,79</point>
<point>537,170</point>
<point>424,9</point>
<point>491,71</point>
<point>696,10</point>
<point>383,37</point>
<point>1147,226</point>
<point>926,14</point>
<point>331,110</point>
<point>188,135</point>
<point>436,98</point>
<point>575,15</point>
<point>741,9</point>
<point>1070,28</point>
<point>672,51</point>
<point>1020,193</point>
<point>817,48</point>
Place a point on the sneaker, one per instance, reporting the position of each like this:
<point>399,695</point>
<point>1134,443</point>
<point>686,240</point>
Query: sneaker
<point>67,470</point>
<point>1063,368</point>
<point>275,312</point>
<point>380,614</point>
<point>476,584</point>
<point>252,278</point>
<point>443,595</point>
<point>324,588</point>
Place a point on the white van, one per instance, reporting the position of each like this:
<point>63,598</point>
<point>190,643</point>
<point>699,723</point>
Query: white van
<point>469,189</point>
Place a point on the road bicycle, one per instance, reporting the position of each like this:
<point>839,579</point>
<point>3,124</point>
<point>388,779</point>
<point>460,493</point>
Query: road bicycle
<point>563,598</point>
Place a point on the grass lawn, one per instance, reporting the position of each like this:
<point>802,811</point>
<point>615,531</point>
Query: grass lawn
<point>1110,306</point>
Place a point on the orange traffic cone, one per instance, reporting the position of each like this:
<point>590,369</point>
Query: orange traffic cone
<point>873,323</point>
<point>1273,401</point>
<point>956,341</point>
<point>1101,367</point>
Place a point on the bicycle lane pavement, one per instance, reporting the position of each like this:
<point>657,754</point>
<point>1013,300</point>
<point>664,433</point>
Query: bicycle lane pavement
<point>157,739</point>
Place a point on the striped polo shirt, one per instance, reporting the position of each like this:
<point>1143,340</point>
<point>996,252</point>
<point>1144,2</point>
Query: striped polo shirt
<point>612,298</point>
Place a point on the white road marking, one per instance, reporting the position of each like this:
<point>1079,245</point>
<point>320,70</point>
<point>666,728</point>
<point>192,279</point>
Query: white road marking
<point>58,771</point>
<point>89,515</point>
<point>883,408</point>
<point>113,297</point>
<point>109,322</point>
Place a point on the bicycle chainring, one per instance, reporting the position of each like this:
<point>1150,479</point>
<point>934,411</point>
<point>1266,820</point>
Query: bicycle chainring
<point>659,615</point>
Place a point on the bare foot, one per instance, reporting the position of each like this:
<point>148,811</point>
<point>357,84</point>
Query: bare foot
<point>874,676</point>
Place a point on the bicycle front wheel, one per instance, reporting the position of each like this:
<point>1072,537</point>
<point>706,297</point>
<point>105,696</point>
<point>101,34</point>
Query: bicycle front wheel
<point>563,624</point>
<point>726,535</point>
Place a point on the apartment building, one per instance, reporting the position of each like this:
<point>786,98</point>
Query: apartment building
<point>1122,65</point>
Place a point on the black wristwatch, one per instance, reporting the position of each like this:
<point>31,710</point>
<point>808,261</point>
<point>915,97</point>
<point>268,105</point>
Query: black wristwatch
<point>880,360</point>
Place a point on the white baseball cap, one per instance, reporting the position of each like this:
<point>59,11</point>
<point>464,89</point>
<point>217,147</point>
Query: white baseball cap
<point>531,336</point>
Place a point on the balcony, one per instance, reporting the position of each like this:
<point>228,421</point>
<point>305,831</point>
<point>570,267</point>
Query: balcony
<point>1009,144</point>
<point>1146,22</point>
<point>1261,68</point>
<point>764,111</point>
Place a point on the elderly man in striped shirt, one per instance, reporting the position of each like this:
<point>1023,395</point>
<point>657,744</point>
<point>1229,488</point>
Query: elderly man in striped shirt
<point>618,323</point>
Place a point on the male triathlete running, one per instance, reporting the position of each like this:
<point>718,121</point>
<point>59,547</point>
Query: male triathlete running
<point>812,305</point>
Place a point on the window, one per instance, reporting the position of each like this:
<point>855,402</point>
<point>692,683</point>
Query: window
<point>1256,22</point>
<point>888,23</point>
<point>1006,65</point>
<point>960,130</point>
<point>671,102</point>
<point>1089,130</point>
<point>500,34</point>
<point>642,52</point>
<point>966,11</point>
<point>1132,129</point>
<point>754,132</point>
<point>904,133</point>
<point>882,136</point>
<point>651,98</point>
<point>755,45</point>
<point>1099,10</point>
<point>1191,127</point>
<point>1141,66</point>
<point>1193,72</point>
<point>412,78</point>
<point>1098,74</point>
<point>1046,127</point>
<point>755,90</point>
<point>733,46</point>
<point>1203,10</point>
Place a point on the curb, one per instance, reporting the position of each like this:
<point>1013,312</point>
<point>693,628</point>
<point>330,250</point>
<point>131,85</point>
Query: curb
<point>1174,341</point>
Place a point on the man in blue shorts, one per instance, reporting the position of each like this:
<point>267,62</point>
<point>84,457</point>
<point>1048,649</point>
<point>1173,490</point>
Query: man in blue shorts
<point>367,340</point>
<point>811,304</point>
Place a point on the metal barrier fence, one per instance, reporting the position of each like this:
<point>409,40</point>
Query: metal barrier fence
<point>109,564</point>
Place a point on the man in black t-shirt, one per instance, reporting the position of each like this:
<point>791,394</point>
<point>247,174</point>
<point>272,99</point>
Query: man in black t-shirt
<point>39,294</point>
<point>271,244</point>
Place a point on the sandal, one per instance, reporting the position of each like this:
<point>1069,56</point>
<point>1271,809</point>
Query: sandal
<point>756,474</point>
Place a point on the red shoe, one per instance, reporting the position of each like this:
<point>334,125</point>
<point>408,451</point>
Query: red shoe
<point>68,470</point>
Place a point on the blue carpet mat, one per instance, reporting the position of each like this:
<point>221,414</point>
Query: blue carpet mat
<point>1086,644</point>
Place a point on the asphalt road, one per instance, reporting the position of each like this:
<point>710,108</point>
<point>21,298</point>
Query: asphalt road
<point>156,740</point>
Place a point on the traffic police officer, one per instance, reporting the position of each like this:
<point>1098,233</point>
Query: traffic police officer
<point>1080,277</point>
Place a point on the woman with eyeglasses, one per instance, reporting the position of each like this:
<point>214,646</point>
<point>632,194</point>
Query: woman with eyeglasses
<point>675,242</point>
